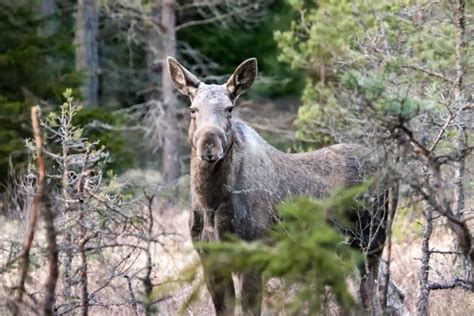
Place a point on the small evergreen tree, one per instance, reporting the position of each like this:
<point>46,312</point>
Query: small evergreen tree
<point>395,75</point>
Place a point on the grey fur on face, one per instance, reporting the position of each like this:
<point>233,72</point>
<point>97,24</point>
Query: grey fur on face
<point>210,131</point>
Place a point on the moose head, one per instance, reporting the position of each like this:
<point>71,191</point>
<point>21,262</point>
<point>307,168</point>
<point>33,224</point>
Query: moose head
<point>210,130</point>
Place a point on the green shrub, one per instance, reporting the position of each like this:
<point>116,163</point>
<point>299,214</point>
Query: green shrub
<point>304,251</point>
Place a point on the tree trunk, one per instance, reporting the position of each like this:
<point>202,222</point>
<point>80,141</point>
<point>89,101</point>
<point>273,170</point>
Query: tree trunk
<point>48,10</point>
<point>424,296</point>
<point>459,13</point>
<point>87,54</point>
<point>170,146</point>
<point>461,138</point>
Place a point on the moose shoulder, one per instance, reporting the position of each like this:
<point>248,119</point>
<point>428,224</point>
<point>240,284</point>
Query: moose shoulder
<point>238,179</point>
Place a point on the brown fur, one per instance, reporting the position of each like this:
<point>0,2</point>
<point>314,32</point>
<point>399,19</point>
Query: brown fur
<point>238,179</point>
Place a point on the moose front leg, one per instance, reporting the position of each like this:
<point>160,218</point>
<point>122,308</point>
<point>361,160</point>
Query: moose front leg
<point>196,224</point>
<point>221,288</point>
<point>219,278</point>
<point>251,283</point>
<point>213,226</point>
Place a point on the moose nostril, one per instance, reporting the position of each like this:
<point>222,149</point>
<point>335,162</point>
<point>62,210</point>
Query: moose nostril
<point>209,157</point>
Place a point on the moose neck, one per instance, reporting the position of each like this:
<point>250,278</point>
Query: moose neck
<point>209,180</point>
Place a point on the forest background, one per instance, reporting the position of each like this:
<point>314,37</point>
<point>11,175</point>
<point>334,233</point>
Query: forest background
<point>390,74</point>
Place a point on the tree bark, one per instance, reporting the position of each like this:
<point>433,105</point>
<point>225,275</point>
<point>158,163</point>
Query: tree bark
<point>170,146</point>
<point>461,139</point>
<point>87,53</point>
<point>53,271</point>
<point>424,296</point>
<point>51,236</point>
<point>48,10</point>
<point>458,100</point>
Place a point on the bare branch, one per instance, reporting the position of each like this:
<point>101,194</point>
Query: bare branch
<point>429,73</point>
<point>215,18</point>
<point>456,283</point>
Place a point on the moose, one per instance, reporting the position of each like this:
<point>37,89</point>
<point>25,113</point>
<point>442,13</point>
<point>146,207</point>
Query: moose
<point>238,180</point>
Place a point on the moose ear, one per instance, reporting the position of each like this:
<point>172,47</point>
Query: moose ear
<point>242,78</point>
<point>183,79</point>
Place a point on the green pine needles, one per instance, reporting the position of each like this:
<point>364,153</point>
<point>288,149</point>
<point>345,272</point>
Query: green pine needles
<point>303,250</point>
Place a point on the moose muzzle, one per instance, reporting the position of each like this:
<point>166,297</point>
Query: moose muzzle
<point>210,143</point>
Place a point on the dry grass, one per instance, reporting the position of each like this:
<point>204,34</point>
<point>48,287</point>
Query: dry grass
<point>170,259</point>
<point>178,255</point>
